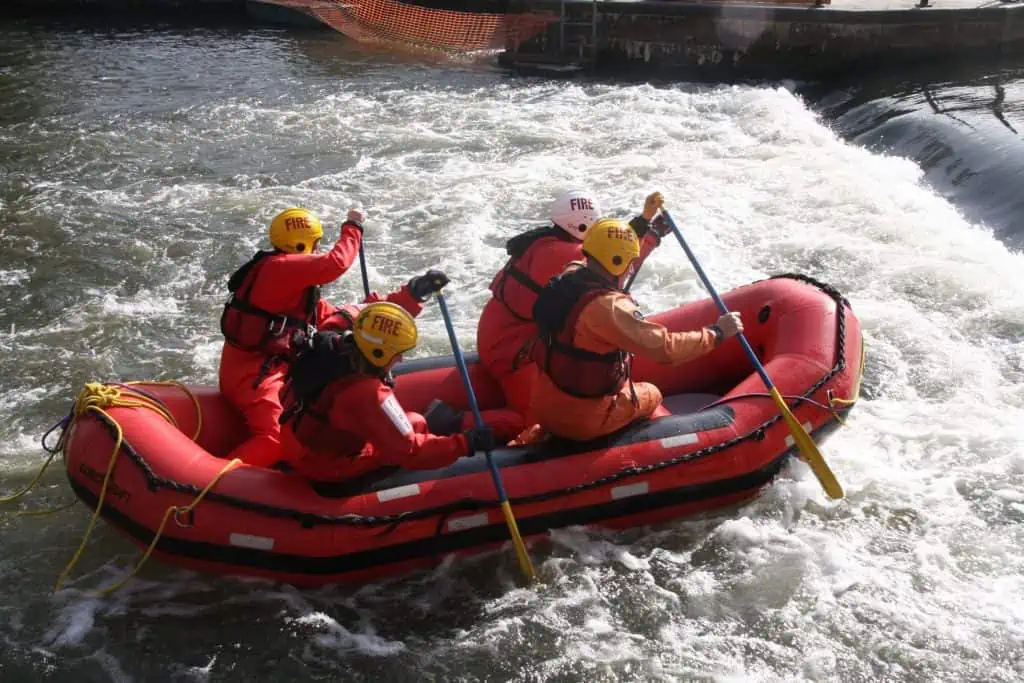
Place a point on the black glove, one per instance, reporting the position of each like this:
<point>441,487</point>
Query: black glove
<point>660,226</point>
<point>328,341</point>
<point>640,226</point>
<point>422,286</point>
<point>480,440</point>
<point>442,419</point>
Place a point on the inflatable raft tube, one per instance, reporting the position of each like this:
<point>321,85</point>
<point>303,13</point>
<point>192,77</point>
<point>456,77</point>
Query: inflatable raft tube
<point>722,444</point>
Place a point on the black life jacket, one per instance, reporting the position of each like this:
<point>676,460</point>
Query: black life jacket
<point>251,328</point>
<point>513,287</point>
<point>578,372</point>
<point>322,364</point>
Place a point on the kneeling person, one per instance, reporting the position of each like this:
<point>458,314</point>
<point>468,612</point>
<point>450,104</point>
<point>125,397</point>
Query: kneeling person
<point>589,331</point>
<point>341,418</point>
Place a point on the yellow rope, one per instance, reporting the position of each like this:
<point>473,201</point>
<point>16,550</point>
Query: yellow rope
<point>101,394</point>
<point>95,397</point>
<point>51,511</point>
<point>188,392</point>
<point>103,489</point>
<point>172,510</point>
<point>855,394</point>
<point>31,484</point>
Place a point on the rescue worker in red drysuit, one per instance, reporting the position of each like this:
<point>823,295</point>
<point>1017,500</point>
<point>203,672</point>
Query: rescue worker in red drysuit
<point>341,418</point>
<point>589,331</point>
<point>274,295</point>
<point>506,325</point>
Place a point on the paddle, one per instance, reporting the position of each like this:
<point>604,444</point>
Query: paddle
<point>362,267</point>
<point>629,282</point>
<point>506,508</point>
<point>808,449</point>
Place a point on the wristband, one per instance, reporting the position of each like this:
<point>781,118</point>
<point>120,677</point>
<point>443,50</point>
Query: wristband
<point>717,331</point>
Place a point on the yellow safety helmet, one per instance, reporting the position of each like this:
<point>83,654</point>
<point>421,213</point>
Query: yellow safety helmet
<point>382,331</point>
<point>613,244</point>
<point>295,231</point>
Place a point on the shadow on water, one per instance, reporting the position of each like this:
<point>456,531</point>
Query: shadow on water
<point>962,124</point>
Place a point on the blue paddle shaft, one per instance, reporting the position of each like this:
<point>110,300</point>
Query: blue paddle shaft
<point>477,419</point>
<point>718,300</point>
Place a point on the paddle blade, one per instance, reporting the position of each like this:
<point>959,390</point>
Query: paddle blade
<point>524,560</point>
<point>809,452</point>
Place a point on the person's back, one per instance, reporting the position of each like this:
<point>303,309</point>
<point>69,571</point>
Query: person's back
<point>341,417</point>
<point>506,326</point>
<point>589,331</point>
<point>273,296</point>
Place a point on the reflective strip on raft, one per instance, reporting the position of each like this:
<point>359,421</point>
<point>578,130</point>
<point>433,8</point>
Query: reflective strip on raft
<point>679,440</point>
<point>630,490</point>
<point>398,492</point>
<point>790,440</point>
<point>468,522</point>
<point>249,541</point>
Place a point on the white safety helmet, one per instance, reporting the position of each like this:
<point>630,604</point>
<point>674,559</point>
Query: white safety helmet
<point>575,211</point>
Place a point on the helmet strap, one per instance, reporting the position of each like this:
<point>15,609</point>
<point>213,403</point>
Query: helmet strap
<point>594,266</point>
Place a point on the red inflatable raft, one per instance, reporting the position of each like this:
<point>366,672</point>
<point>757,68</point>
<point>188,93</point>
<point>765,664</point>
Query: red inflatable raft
<point>724,441</point>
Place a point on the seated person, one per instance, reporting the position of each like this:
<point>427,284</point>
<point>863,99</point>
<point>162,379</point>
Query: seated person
<point>341,418</point>
<point>506,325</point>
<point>589,330</point>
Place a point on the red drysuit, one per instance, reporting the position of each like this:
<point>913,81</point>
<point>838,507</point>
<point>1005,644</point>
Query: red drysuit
<point>504,330</point>
<point>357,426</point>
<point>252,380</point>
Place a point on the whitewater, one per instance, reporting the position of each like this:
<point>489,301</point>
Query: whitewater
<point>140,168</point>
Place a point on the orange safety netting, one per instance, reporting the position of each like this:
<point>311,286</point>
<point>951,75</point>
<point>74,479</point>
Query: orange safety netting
<point>390,21</point>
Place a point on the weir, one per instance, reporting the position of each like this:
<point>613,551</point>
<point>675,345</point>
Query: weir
<point>730,40</point>
<point>798,39</point>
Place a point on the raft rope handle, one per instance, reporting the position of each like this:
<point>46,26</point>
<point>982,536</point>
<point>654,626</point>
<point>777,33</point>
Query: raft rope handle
<point>68,421</point>
<point>832,400</point>
<point>171,383</point>
<point>95,397</point>
<point>855,394</point>
<point>174,510</point>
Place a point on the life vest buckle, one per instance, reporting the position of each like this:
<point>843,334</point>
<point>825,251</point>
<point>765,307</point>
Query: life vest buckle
<point>281,324</point>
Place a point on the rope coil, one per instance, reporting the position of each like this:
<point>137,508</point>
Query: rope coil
<point>97,398</point>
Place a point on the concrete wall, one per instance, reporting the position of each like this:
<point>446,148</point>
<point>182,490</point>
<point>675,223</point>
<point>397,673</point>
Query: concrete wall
<point>774,42</point>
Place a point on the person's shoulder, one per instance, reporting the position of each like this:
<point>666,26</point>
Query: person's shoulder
<point>360,389</point>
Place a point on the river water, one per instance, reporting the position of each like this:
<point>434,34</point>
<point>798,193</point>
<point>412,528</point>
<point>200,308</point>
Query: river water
<point>140,167</point>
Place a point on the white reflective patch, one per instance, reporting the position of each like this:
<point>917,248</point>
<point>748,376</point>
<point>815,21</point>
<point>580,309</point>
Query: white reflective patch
<point>469,522</point>
<point>247,541</point>
<point>398,492</point>
<point>790,440</point>
<point>397,416</point>
<point>370,338</point>
<point>679,440</point>
<point>630,490</point>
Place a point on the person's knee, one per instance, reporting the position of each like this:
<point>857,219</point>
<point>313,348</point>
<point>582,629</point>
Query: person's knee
<point>518,388</point>
<point>649,400</point>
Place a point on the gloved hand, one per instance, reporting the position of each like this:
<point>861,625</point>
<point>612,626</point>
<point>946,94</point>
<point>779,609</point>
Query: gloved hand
<point>442,419</point>
<point>652,205</point>
<point>660,226</point>
<point>422,286</point>
<point>356,216</point>
<point>329,341</point>
<point>480,440</point>
<point>729,325</point>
